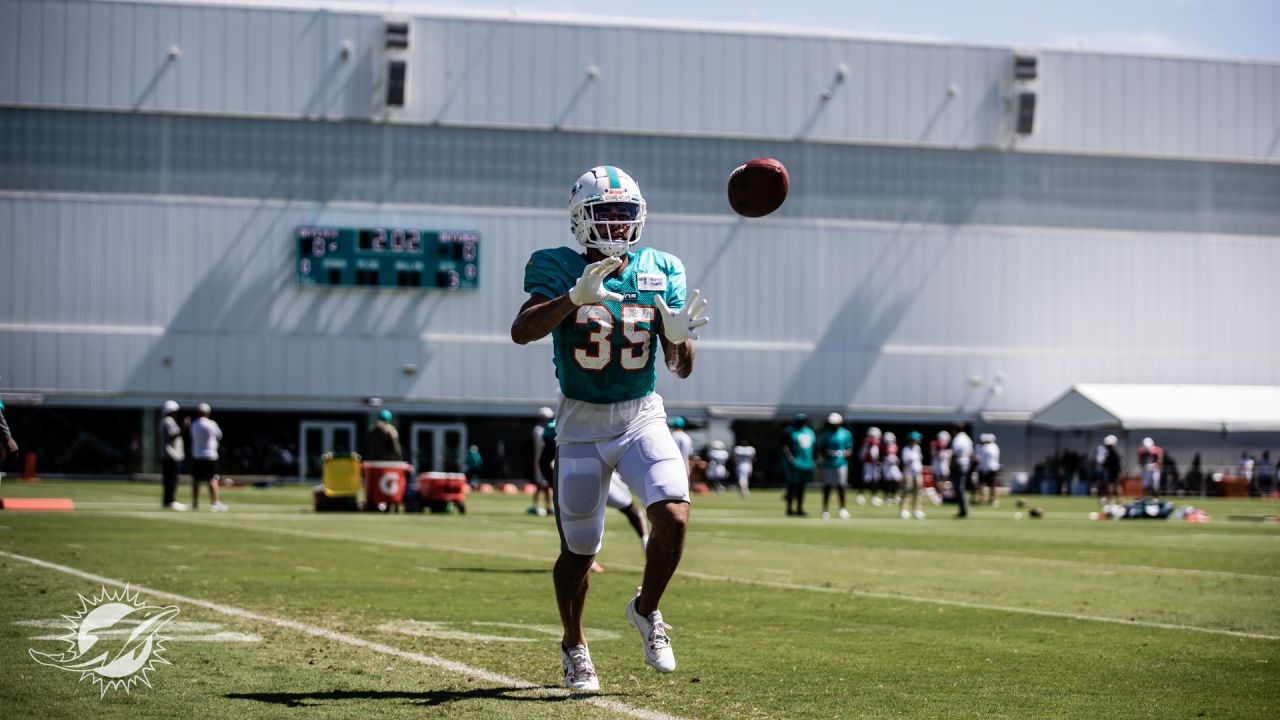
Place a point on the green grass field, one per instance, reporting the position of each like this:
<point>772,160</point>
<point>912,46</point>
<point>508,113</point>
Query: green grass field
<point>286,613</point>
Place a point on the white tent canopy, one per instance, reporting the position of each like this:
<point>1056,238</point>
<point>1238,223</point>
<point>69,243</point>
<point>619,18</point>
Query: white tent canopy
<point>1213,408</point>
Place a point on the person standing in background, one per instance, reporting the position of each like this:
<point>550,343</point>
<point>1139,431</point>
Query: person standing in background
<point>383,440</point>
<point>541,482</point>
<point>8,446</point>
<point>835,447</point>
<point>869,457</point>
<point>717,466</point>
<point>913,474</point>
<point>1266,474</point>
<point>1111,467</point>
<point>744,457</point>
<point>890,470</point>
<point>961,459</point>
<point>172,453</point>
<point>1245,467</point>
<point>988,468</point>
<point>797,449</point>
<point>683,441</point>
<point>471,466</point>
<point>940,456</point>
<point>206,437</point>
<point>1150,458</point>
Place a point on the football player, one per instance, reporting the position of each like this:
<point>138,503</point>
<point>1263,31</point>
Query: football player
<point>744,457</point>
<point>912,474</point>
<point>835,446</point>
<point>798,441</point>
<point>609,306</point>
<point>869,457</point>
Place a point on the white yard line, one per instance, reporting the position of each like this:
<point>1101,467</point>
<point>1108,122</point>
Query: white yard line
<point>456,668</point>
<point>748,581</point>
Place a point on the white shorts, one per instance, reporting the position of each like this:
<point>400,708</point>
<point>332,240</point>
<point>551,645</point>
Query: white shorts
<point>630,437</point>
<point>834,476</point>
<point>619,494</point>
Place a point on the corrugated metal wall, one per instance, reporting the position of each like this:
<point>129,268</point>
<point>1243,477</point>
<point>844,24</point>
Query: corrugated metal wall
<point>919,263</point>
<point>152,297</point>
<point>474,71</point>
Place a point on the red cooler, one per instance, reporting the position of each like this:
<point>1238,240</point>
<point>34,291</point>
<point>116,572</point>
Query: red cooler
<point>384,483</point>
<point>443,491</point>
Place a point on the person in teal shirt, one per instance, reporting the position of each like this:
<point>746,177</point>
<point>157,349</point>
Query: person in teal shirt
<point>835,446</point>
<point>798,442</point>
<point>608,307</point>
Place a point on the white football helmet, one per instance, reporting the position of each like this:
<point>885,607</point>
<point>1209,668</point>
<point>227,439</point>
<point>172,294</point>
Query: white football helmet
<point>873,432</point>
<point>606,210</point>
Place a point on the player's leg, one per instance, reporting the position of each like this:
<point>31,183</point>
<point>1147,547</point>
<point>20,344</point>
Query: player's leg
<point>620,499</point>
<point>652,466</point>
<point>582,479</point>
<point>214,495</point>
<point>842,484</point>
<point>669,520</point>
<point>962,496</point>
<point>201,471</point>
<point>827,477</point>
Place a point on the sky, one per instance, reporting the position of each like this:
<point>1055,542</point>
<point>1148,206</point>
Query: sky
<point>1247,29</point>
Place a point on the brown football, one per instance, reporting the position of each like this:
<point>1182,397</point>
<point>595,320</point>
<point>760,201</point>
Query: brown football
<point>758,187</point>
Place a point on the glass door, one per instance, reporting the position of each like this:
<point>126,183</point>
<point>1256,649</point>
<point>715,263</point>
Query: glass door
<point>317,437</point>
<point>438,447</point>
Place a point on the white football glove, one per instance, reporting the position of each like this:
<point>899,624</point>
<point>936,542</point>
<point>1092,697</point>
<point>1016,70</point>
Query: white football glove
<point>590,287</point>
<point>679,325</point>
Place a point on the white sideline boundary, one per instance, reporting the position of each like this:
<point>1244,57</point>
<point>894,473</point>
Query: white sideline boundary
<point>387,542</point>
<point>451,666</point>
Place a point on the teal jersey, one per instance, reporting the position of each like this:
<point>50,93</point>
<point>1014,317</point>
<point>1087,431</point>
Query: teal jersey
<point>549,432</point>
<point>605,353</point>
<point>838,441</point>
<point>801,441</point>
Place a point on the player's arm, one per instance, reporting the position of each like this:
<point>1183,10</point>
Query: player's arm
<point>539,316</point>
<point>679,358</point>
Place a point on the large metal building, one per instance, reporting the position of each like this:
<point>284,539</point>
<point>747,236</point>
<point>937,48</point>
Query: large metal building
<point>971,230</point>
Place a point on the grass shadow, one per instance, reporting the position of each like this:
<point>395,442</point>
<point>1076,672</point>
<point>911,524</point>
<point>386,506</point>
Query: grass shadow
<point>425,698</point>
<point>506,571</point>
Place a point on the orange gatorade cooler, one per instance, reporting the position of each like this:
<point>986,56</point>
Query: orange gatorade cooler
<point>384,484</point>
<point>443,492</point>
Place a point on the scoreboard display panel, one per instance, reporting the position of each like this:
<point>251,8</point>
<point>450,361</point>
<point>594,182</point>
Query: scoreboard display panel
<point>382,257</point>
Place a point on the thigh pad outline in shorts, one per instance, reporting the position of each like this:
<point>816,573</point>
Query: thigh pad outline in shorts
<point>581,488</point>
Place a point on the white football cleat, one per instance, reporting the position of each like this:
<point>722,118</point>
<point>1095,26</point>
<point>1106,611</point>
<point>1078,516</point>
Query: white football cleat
<point>877,501</point>
<point>653,636</point>
<point>860,500</point>
<point>218,507</point>
<point>919,514</point>
<point>826,515</point>
<point>905,514</point>
<point>844,514</point>
<point>176,506</point>
<point>579,671</point>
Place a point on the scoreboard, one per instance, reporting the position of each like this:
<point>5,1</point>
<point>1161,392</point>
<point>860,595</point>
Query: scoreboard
<point>383,257</point>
